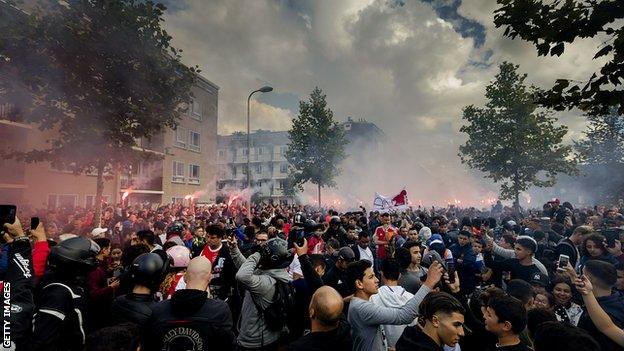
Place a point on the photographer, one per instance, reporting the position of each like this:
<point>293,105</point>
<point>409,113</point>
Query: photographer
<point>18,279</point>
<point>58,322</point>
<point>258,275</point>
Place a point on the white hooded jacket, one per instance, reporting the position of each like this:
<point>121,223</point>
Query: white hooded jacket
<point>392,296</point>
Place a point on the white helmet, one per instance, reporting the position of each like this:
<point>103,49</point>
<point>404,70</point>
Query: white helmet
<point>180,255</point>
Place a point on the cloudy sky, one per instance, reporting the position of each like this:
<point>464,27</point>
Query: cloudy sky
<point>408,66</point>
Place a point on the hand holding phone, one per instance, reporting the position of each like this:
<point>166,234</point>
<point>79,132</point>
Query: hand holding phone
<point>451,271</point>
<point>37,231</point>
<point>34,223</point>
<point>563,262</point>
<point>7,214</point>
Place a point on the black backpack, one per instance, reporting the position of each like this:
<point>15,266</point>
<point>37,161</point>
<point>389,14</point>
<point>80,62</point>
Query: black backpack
<point>276,315</point>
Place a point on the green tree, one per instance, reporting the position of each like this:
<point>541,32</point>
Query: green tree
<point>97,74</point>
<point>601,155</point>
<point>316,145</point>
<point>549,25</point>
<point>510,141</point>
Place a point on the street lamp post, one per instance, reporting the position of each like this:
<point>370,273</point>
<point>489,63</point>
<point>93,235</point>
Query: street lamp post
<point>264,89</point>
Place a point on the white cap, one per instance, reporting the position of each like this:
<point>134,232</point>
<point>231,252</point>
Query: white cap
<point>98,233</point>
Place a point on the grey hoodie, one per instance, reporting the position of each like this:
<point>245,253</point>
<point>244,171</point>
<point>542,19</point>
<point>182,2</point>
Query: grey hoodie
<point>366,319</point>
<point>396,297</point>
<point>259,284</point>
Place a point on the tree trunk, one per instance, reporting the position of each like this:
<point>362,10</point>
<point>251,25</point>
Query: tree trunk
<point>97,202</point>
<point>516,195</point>
<point>319,196</point>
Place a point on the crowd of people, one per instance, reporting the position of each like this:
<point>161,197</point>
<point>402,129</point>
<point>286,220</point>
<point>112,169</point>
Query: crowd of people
<point>296,277</point>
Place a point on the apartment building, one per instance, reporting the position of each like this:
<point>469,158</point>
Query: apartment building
<point>268,165</point>
<point>187,168</point>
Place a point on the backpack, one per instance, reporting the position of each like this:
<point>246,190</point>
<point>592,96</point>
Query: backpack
<point>276,314</point>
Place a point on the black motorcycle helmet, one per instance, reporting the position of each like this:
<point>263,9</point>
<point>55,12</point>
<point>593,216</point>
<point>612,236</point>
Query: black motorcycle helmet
<point>275,254</point>
<point>149,269</point>
<point>74,256</point>
<point>299,220</point>
<point>176,228</point>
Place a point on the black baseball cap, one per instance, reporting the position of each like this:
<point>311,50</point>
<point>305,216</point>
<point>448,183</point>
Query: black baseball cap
<point>540,279</point>
<point>346,254</point>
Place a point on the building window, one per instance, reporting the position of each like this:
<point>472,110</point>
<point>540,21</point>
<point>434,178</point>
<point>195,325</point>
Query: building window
<point>194,142</point>
<point>222,154</point>
<point>193,174</point>
<point>178,172</point>
<point>180,135</point>
<point>259,169</point>
<point>261,150</point>
<point>62,201</point>
<point>196,112</point>
<point>89,200</point>
<point>284,168</point>
<point>177,200</point>
<point>245,152</point>
<point>280,184</point>
<point>283,150</point>
<point>233,172</point>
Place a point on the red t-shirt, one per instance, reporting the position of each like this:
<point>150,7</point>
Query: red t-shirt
<point>209,254</point>
<point>382,234</point>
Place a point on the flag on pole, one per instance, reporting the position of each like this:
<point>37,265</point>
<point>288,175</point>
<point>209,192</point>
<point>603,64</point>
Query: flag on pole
<point>397,203</point>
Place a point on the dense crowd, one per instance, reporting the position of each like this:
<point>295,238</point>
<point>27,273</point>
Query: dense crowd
<point>295,277</point>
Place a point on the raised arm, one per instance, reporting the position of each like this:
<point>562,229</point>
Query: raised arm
<point>375,315</point>
<point>600,318</point>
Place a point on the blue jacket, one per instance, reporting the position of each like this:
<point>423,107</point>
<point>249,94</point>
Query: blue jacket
<point>467,268</point>
<point>614,306</point>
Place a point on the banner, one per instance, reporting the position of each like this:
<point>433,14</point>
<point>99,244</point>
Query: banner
<point>398,203</point>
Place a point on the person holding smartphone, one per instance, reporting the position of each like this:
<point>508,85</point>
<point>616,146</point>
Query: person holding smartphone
<point>602,277</point>
<point>217,252</point>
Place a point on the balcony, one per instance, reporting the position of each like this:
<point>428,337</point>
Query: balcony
<point>12,172</point>
<point>156,144</point>
<point>142,184</point>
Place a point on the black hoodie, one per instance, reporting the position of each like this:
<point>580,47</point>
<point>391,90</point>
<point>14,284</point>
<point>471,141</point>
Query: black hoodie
<point>189,321</point>
<point>413,338</point>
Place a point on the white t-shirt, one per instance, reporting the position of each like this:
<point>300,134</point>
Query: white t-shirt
<point>366,254</point>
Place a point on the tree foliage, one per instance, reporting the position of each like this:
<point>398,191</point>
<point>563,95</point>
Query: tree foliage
<point>97,74</point>
<point>316,145</point>
<point>510,141</point>
<point>550,25</point>
<point>601,154</point>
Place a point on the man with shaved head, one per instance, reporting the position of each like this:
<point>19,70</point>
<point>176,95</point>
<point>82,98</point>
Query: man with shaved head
<point>190,320</point>
<point>327,332</point>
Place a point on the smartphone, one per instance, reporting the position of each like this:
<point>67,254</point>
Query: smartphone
<point>34,223</point>
<point>7,214</point>
<point>435,256</point>
<point>299,237</point>
<point>451,271</point>
<point>564,260</point>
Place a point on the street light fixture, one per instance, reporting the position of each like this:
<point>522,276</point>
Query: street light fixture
<point>264,89</point>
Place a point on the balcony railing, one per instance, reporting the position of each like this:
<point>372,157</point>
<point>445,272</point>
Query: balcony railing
<point>142,184</point>
<point>157,143</point>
